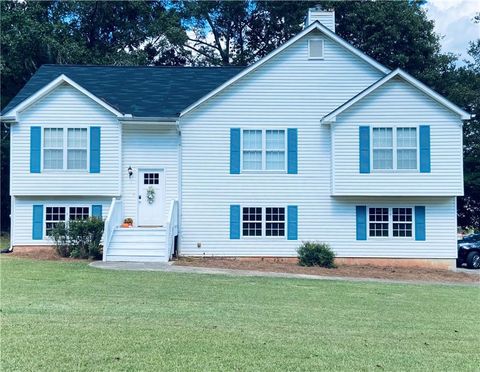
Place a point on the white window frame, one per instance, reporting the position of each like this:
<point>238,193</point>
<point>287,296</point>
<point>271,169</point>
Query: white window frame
<point>390,222</point>
<point>264,223</point>
<point>323,49</point>
<point>264,151</point>
<point>67,213</point>
<point>65,149</point>
<point>395,149</point>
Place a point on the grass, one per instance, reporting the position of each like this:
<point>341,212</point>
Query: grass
<point>69,316</point>
<point>4,240</point>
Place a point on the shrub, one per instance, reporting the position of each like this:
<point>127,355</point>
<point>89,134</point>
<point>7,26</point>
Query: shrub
<point>79,239</point>
<point>316,254</point>
<point>59,235</point>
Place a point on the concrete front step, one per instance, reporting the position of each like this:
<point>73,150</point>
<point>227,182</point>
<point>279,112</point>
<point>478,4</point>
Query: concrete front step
<point>135,258</point>
<point>138,251</point>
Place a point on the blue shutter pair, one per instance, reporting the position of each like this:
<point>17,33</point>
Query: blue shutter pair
<point>36,149</point>
<point>364,148</point>
<point>37,223</point>
<point>292,222</point>
<point>292,150</point>
<point>361,216</point>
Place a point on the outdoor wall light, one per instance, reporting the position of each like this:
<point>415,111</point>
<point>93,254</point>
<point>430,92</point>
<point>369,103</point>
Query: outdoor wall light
<point>130,172</point>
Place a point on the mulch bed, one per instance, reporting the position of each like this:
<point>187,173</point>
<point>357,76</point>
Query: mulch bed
<point>44,253</point>
<point>354,271</point>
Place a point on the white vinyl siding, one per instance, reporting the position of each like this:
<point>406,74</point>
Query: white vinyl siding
<point>65,107</point>
<point>397,104</point>
<point>149,147</point>
<point>21,233</point>
<point>289,90</point>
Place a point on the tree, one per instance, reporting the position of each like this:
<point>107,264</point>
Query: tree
<point>79,32</point>
<point>85,32</point>
<point>239,32</point>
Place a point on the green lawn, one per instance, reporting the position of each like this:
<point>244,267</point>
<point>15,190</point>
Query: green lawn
<point>69,316</point>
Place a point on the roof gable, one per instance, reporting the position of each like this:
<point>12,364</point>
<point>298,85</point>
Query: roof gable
<point>314,26</point>
<point>331,117</point>
<point>39,94</point>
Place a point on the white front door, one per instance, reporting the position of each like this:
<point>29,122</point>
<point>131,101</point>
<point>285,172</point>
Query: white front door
<point>151,197</point>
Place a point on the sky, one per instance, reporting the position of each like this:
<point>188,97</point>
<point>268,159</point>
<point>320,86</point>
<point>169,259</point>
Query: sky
<point>453,21</point>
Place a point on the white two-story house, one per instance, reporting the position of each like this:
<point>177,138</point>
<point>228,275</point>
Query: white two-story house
<point>316,141</point>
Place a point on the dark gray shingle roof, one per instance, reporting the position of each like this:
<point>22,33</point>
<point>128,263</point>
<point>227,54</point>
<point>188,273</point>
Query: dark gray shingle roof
<point>137,90</point>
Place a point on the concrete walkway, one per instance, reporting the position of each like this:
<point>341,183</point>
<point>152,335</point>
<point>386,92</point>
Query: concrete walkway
<point>170,267</point>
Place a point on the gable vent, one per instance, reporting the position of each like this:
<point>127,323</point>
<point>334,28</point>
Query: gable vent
<point>325,17</point>
<point>315,49</point>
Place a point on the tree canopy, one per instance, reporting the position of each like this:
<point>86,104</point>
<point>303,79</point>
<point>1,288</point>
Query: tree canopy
<point>164,32</point>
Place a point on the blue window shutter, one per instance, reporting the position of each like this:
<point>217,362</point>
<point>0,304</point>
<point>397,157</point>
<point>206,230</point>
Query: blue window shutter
<point>292,226</point>
<point>37,225</point>
<point>364,135</point>
<point>234,222</point>
<point>292,144</point>
<point>97,211</point>
<point>95,150</point>
<point>234,150</point>
<point>361,222</point>
<point>424,148</point>
<point>420,223</point>
<point>35,149</point>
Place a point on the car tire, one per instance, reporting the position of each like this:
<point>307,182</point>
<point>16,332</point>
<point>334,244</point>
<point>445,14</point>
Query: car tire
<point>473,260</point>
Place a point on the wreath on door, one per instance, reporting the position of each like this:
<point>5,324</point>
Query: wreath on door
<point>150,195</point>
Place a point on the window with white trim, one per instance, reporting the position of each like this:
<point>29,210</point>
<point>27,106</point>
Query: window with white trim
<point>406,148</point>
<point>53,148</point>
<point>264,150</point>
<point>78,213</point>
<point>315,48</point>
<point>53,215</point>
<point>394,148</point>
<point>396,222</point>
<point>56,214</point>
<point>252,221</point>
<point>275,221</point>
<point>382,148</point>
<point>65,149</point>
<point>402,222</point>
<point>77,148</point>
<point>378,222</point>
<point>258,221</point>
